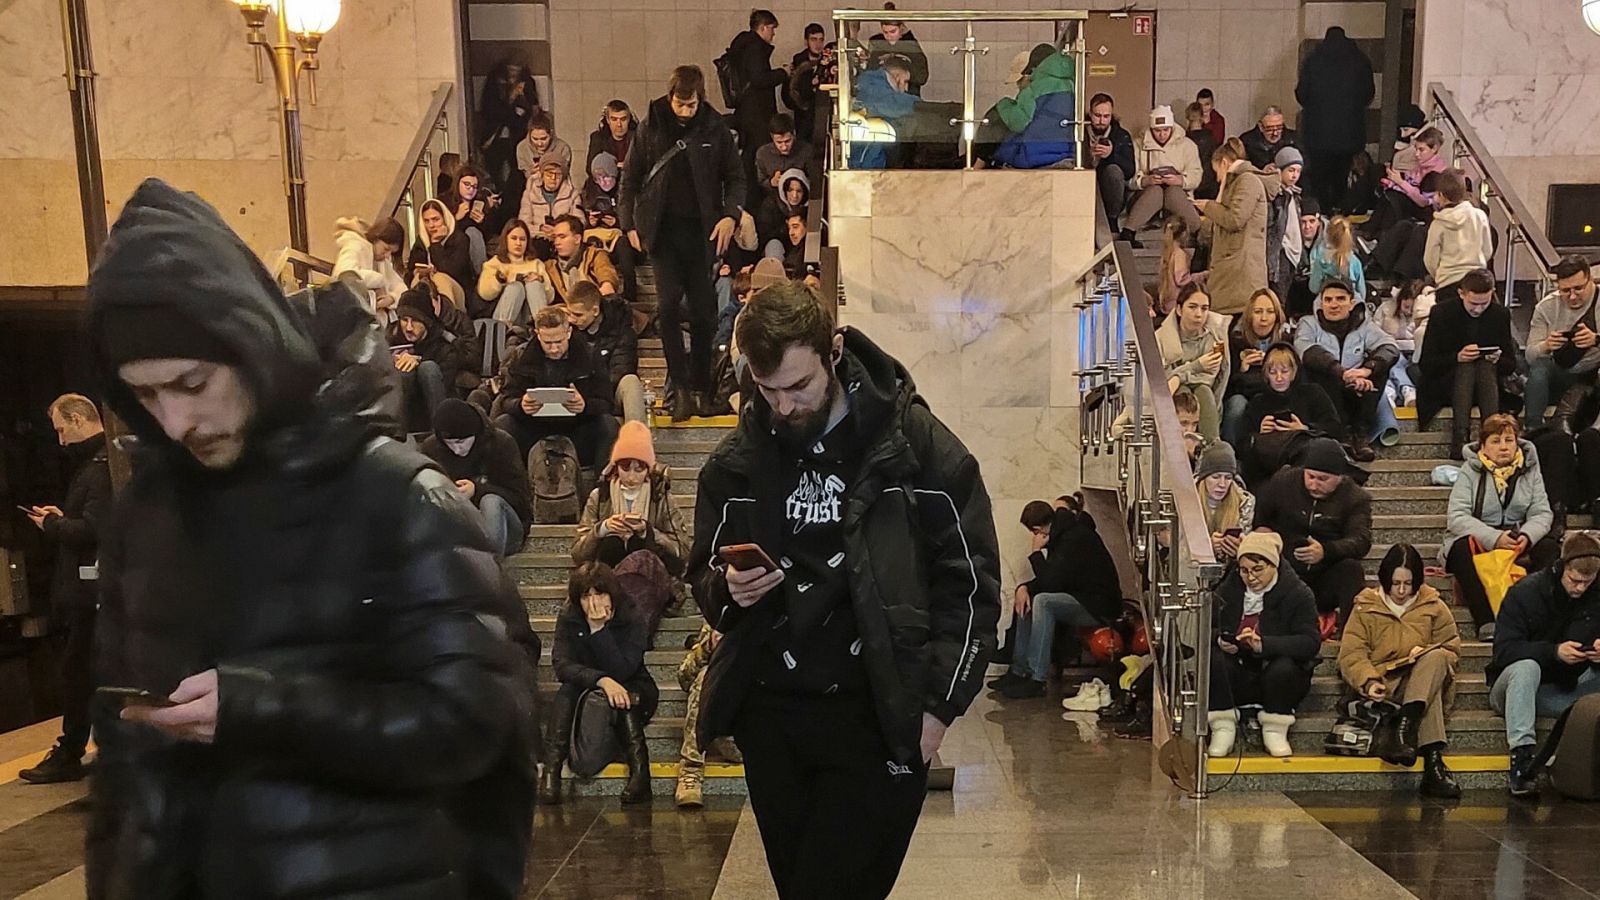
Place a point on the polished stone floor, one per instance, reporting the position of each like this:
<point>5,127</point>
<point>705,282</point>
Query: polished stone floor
<point>1045,805</point>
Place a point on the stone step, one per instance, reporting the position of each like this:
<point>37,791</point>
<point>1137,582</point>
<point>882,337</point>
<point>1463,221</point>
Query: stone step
<point>670,634</point>
<point>1419,528</point>
<point>720,780</point>
<point>1413,500</point>
<point>1471,693</point>
<point>696,432</point>
<point>1400,472</point>
<point>1469,731</point>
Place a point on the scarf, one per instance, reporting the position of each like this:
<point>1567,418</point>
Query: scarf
<point>1399,609</point>
<point>1253,602</point>
<point>1293,246</point>
<point>1225,513</point>
<point>1501,474</point>
<point>641,502</point>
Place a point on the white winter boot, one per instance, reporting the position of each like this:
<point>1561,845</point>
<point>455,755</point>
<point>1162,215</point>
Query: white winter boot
<point>1275,732</point>
<point>1224,727</point>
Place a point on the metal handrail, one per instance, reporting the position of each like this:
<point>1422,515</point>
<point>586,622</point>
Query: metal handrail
<point>287,264</point>
<point>1521,227</point>
<point>1069,41</point>
<point>818,249</point>
<point>1119,365</point>
<point>417,154</point>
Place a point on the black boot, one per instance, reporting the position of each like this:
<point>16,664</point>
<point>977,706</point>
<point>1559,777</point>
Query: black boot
<point>706,403</point>
<point>680,403</point>
<point>557,734</point>
<point>60,765</point>
<point>637,790</point>
<point>1436,778</point>
<point>1128,235</point>
<point>550,782</point>
<point>1403,751</point>
<point>1360,449</point>
<point>1524,776</point>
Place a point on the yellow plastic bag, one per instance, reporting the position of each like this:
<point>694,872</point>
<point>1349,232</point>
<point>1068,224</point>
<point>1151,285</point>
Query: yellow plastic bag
<point>1497,571</point>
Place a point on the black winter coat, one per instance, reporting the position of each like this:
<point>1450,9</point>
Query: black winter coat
<point>452,256</point>
<point>1260,152</point>
<point>756,106</point>
<point>616,651</point>
<point>1334,91</point>
<point>1261,455</point>
<point>878,47</point>
<point>374,727</point>
<point>1537,616</point>
<point>919,544</point>
<point>1077,562</point>
<point>494,465</point>
<point>1121,150</point>
<point>615,342</point>
<point>459,356</point>
<point>579,368</point>
<point>718,171</point>
<point>1288,617</point>
<point>1342,523</point>
<point>1449,329</point>
<point>76,532</point>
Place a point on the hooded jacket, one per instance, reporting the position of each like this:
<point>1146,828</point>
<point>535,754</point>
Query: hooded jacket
<point>1341,522</point>
<point>1334,90</point>
<point>494,466</point>
<point>879,46</point>
<point>614,341</point>
<point>356,257</point>
<point>714,164</point>
<point>1374,635</point>
<point>1238,222</point>
<point>1054,75</point>
<point>1537,616</point>
<point>1459,240</point>
<point>1181,356</point>
<point>374,723</point>
<point>665,533</point>
<point>1325,269</point>
<point>919,546</point>
<point>1450,328</point>
<point>1477,509</point>
<point>1324,352</point>
<point>1288,617</point>
<point>538,211</point>
<point>1076,562</point>
<point>773,216</point>
<point>451,256</point>
<point>1178,152</point>
<point>1303,399</point>
<point>76,532</point>
<point>458,357</point>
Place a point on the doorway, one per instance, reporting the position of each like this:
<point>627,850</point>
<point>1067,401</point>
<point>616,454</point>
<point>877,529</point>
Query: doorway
<point>1122,60</point>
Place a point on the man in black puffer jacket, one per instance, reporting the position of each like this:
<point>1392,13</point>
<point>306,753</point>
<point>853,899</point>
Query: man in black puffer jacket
<point>487,468</point>
<point>682,189</point>
<point>841,667</point>
<point>1325,521</point>
<point>351,710</point>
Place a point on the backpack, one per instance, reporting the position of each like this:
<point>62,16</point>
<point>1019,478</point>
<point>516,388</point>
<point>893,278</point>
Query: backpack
<point>553,471</point>
<point>1360,721</point>
<point>729,78</point>
<point>1573,750</point>
<point>595,743</point>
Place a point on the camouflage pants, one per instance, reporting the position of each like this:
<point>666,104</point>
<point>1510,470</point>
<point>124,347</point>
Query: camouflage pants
<point>693,758</point>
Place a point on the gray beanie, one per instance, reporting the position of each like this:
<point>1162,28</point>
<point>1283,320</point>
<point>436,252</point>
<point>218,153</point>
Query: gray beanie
<point>1287,157</point>
<point>1216,459</point>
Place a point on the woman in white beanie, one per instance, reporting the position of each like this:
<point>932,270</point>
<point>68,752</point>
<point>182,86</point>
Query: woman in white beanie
<point>1266,644</point>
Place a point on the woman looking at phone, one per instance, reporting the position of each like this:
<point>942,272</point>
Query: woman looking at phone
<point>631,511</point>
<point>1194,350</point>
<point>1280,419</point>
<point>1467,349</point>
<point>1230,510</point>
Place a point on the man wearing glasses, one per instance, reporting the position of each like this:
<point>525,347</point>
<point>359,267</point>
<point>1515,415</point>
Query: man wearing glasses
<point>1562,351</point>
<point>1263,142</point>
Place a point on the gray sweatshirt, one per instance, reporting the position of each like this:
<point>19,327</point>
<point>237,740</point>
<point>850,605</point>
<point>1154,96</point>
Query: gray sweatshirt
<point>1553,314</point>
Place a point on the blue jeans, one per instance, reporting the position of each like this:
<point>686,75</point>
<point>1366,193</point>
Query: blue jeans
<point>1036,634</point>
<point>506,531</point>
<point>1521,695</point>
<point>1545,380</point>
<point>1233,417</point>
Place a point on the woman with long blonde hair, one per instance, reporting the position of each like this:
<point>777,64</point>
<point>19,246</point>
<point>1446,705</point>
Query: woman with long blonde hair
<point>1238,223</point>
<point>1175,274</point>
<point>1262,325</point>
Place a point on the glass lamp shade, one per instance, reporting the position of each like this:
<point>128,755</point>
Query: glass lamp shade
<point>1591,15</point>
<point>258,4</point>
<point>315,17</point>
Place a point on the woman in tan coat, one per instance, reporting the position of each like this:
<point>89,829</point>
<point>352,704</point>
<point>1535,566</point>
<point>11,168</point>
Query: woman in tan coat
<point>632,508</point>
<point>1401,645</point>
<point>1237,223</point>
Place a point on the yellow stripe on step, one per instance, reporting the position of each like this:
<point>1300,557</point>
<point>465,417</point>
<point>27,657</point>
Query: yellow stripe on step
<point>1335,765</point>
<point>728,421</point>
<point>670,770</point>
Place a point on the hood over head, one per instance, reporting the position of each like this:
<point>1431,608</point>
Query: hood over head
<point>1457,217</point>
<point>314,364</point>
<point>449,220</point>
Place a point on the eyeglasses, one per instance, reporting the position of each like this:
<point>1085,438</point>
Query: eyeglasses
<point>633,465</point>
<point>1573,291</point>
<point>1255,571</point>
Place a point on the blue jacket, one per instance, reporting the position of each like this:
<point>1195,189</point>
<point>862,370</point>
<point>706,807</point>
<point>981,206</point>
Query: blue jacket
<point>1047,140</point>
<point>1364,345</point>
<point>1324,270</point>
<point>876,97</point>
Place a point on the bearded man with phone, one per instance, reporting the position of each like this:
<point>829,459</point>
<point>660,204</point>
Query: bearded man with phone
<point>845,548</point>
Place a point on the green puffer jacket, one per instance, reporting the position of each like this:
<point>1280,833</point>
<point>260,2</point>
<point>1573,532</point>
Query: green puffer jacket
<point>1054,75</point>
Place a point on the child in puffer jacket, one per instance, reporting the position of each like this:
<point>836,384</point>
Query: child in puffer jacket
<point>1404,316</point>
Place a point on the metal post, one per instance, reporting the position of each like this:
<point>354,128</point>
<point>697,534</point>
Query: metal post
<point>85,125</point>
<point>1394,16</point>
<point>842,63</point>
<point>284,71</point>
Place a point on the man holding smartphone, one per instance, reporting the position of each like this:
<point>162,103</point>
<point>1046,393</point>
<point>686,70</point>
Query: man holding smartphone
<point>844,660</point>
<point>1467,350</point>
<point>74,529</point>
<point>346,671</point>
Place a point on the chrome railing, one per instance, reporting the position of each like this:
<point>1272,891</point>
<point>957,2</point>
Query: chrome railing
<point>1519,229</point>
<point>860,126</point>
<point>419,167</point>
<point>294,270</point>
<point>1130,441</point>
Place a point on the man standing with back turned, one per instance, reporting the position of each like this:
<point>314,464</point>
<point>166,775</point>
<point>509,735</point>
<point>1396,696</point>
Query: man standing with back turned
<point>844,661</point>
<point>334,702</point>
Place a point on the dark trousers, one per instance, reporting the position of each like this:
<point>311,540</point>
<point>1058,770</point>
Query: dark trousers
<point>1326,175</point>
<point>1357,412</point>
<point>613,549</point>
<point>682,258</point>
<point>1278,684</point>
<point>1458,562</point>
<point>1476,382</point>
<point>1335,585</point>
<point>558,729</point>
<point>592,435</point>
<point>627,260</point>
<point>836,812</point>
<point>77,679</point>
<point>422,390</point>
<point>1571,466</point>
<point>1113,188</point>
<point>1401,247</point>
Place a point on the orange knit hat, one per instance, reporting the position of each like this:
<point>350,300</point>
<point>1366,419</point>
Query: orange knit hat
<point>633,442</point>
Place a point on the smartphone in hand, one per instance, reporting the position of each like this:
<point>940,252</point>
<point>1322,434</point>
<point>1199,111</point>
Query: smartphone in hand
<point>128,696</point>
<point>746,558</point>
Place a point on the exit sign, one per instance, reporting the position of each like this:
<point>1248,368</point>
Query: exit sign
<point>1144,25</point>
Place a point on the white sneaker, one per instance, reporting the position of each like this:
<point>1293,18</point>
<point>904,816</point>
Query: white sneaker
<point>1408,396</point>
<point>1092,697</point>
